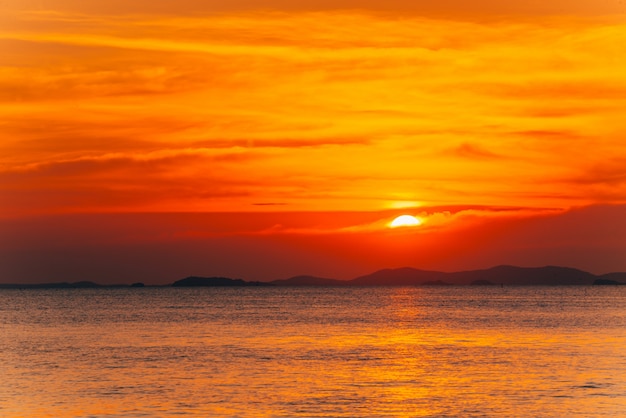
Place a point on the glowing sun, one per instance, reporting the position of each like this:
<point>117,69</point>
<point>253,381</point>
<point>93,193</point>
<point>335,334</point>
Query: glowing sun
<point>405,220</point>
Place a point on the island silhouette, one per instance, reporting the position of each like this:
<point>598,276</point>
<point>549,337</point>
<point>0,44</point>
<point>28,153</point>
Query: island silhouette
<point>408,276</point>
<point>503,275</point>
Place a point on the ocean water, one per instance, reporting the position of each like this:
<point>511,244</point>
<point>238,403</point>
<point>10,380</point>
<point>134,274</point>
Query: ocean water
<point>313,352</point>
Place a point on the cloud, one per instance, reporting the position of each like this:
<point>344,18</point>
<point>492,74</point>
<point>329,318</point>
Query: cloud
<point>610,172</point>
<point>602,181</point>
<point>269,204</point>
<point>333,109</point>
<point>433,221</point>
<point>471,151</point>
<point>126,181</point>
<point>155,160</point>
<point>421,7</point>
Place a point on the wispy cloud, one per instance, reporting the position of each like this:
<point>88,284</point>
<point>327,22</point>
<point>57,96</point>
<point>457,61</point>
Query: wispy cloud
<point>469,150</point>
<point>326,109</point>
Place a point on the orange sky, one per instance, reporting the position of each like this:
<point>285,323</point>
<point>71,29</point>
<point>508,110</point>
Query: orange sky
<point>311,120</point>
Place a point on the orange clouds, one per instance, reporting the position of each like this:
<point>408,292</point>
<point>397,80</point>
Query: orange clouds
<point>300,130</point>
<point>475,8</point>
<point>325,110</point>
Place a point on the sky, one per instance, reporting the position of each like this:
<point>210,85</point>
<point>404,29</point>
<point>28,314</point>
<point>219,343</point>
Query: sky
<point>152,140</point>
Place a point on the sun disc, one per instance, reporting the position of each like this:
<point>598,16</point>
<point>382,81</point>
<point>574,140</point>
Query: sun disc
<point>405,221</point>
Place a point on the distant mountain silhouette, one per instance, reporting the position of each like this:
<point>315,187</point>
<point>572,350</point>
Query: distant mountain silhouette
<point>499,275</point>
<point>309,281</point>
<point>525,276</point>
<point>615,277</point>
<point>59,285</point>
<point>481,283</point>
<point>606,282</point>
<point>406,276</point>
<point>195,281</point>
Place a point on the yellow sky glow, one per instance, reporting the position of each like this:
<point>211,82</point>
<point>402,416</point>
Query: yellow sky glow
<point>313,110</point>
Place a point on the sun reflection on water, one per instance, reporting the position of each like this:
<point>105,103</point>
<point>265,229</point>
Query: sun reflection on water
<point>346,352</point>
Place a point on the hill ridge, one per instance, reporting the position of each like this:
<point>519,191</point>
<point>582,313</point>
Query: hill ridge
<point>508,275</point>
<point>400,276</point>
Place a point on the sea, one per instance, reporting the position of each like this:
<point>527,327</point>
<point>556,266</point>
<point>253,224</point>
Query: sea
<point>314,352</point>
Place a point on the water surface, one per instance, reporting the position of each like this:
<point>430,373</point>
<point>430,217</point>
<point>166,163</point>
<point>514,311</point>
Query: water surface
<point>313,352</point>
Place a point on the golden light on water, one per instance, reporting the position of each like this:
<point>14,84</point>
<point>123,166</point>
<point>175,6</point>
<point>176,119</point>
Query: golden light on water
<point>409,351</point>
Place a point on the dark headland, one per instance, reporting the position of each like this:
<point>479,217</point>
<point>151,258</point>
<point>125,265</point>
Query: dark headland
<point>500,275</point>
<point>507,275</point>
<point>406,276</point>
<point>195,281</point>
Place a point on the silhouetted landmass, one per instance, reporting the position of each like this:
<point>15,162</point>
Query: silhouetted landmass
<point>499,275</point>
<point>60,285</point>
<point>482,283</point>
<point>525,276</point>
<point>194,281</point>
<point>616,277</point>
<point>506,275</point>
<point>63,285</point>
<point>309,281</point>
<point>407,276</point>
<point>606,282</point>
<point>84,284</point>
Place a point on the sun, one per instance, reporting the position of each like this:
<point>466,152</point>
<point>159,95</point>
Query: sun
<point>405,221</point>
